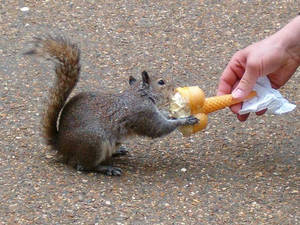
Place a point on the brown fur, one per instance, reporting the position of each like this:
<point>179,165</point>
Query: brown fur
<point>67,68</point>
<point>93,125</point>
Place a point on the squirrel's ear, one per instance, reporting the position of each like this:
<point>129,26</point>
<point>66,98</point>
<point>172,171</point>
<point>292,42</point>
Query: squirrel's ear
<point>146,78</point>
<point>132,80</point>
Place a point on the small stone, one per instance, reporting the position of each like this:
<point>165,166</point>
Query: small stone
<point>80,197</point>
<point>183,170</point>
<point>108,202</point>
<point>49,156</point>
<point>228,33</point>
<point>24,9</point>
<point>258,174</point>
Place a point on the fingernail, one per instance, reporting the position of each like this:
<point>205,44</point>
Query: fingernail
<point>237,93</point>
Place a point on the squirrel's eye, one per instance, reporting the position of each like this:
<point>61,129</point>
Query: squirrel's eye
<point>161,82</point>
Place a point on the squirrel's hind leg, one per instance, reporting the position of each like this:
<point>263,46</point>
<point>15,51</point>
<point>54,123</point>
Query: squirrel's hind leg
<point>94,156</point>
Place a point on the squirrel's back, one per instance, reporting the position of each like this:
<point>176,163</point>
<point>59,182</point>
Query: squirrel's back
<point>66,57</point>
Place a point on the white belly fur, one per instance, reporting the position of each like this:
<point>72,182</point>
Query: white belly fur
<point>106,151</point>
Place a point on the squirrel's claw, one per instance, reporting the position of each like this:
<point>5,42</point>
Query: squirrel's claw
<point>191,120</point>
<point>109,170</point>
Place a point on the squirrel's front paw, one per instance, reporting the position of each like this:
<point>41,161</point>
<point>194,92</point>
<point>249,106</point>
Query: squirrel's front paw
<point>191,120</point>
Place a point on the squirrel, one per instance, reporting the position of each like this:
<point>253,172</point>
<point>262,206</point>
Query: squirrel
<point>90,127</point>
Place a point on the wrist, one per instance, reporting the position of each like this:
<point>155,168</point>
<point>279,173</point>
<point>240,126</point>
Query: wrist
<point>289,38</point>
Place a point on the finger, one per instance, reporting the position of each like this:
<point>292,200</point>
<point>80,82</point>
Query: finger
<point>261,112</point>
<point>280,77</point>
<point>236,108</point>
<point>243,118</point>
<point>248,80</point>
<point>232,73</point>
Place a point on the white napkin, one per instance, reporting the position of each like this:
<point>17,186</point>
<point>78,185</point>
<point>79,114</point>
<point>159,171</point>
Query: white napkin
<point>267,98</point>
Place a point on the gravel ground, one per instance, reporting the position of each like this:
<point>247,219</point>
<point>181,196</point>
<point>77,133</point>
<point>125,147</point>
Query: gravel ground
<point>231,173</point>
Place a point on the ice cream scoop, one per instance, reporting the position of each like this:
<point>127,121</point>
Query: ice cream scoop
<point>191,101</point>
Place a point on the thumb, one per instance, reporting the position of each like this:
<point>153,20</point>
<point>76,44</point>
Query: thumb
<point>247,82</point>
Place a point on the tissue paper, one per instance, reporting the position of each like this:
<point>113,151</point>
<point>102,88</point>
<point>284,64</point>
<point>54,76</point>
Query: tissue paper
<point>267,98</point>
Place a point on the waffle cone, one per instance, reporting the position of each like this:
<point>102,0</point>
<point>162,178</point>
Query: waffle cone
<point>220,102</point>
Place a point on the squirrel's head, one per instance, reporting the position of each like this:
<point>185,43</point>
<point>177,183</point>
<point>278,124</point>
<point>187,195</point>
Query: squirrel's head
<point>158,90</point>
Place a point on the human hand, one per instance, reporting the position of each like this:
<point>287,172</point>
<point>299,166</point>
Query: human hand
<point>271,56</point>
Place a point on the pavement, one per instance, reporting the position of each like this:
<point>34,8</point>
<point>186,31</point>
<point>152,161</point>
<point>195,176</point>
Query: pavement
<point>230,173</point>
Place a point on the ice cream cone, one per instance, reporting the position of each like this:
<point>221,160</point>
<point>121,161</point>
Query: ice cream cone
<point>191,101</point>
<point>194,96</point>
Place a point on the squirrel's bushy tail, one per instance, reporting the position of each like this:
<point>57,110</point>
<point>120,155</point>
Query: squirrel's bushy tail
<point>66,57</point>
